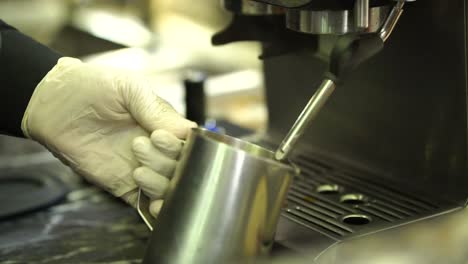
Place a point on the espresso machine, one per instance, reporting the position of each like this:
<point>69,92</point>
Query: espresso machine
<point>388,149</point>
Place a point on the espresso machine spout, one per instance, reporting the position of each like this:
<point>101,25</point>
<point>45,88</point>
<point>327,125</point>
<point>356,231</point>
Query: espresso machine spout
<point>344,58</point>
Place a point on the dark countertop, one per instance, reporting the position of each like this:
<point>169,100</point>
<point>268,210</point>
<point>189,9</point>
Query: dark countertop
<point>87,226</point>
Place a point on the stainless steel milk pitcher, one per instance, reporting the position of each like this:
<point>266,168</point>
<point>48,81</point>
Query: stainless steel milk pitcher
<point>223,204</point>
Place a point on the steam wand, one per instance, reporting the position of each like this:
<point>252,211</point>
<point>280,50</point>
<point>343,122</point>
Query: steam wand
<point>349,51</point>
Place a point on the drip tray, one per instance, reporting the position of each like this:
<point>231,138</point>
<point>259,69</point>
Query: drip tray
<point>330,202</point>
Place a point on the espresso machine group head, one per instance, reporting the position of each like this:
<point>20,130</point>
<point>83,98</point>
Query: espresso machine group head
<point>319,17</point>
<point>340,17</point>
<point>389,148</point>
<point>363,27</point>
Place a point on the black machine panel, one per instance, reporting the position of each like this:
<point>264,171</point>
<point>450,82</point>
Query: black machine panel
<point>403,112</point>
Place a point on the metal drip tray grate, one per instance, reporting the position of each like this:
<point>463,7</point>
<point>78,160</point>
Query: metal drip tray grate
<point>340,201</point>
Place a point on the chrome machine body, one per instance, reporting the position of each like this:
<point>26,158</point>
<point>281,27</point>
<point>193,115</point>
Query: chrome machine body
<point>390,146</point>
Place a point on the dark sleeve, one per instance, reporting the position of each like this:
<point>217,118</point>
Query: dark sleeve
<point>23,64</point>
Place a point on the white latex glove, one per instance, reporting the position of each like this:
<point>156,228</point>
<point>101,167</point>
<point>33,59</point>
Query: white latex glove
<point>158,157</point>
<point>88,117</point>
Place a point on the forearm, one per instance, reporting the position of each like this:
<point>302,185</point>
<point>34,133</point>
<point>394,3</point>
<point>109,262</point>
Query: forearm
<point>23,64</point>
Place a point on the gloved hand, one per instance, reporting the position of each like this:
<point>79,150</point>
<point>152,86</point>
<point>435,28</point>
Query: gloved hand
<point>158,157</point>
<point>88,116</point>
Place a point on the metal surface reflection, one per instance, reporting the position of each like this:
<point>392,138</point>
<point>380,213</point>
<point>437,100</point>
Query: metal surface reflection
<point>334,21</point>
<point>223,204</point>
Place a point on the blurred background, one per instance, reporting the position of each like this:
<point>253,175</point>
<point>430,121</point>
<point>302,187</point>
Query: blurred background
<point>163,39</point>
<point>49,214</point>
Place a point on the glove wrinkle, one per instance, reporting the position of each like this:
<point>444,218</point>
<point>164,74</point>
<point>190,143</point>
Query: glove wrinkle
<point>153,184</point>
<point>88,117</point>
<point>131,198</point>
<point>157,157</point>
<point>167,143</point>
<point>151,157</point>
<point>155,207</point>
